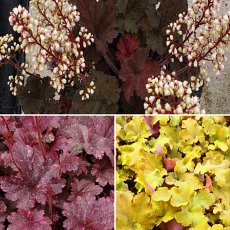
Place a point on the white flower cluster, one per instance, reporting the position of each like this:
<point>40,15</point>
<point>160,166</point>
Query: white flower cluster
<point>4,47</point>
<point>52,31</point>
<point>170,96</point>
<point>205,39</point>
<point>206,36</point>
<point>7,53</point>
<point>89,90</point>
<point>13,81</point>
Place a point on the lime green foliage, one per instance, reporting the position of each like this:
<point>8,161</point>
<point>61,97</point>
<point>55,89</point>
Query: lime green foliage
<point>195,193</point>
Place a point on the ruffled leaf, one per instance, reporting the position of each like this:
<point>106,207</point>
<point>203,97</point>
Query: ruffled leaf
<point>88,213</point>
<point>29,220</point>
<point>131,210</point>
<point>134,72</point>
<point>99,19</point>
<point>126,46</point>
<point>35,180</point>
<point>83,187</point>
<point>102,101</point>
<point>103,171</point>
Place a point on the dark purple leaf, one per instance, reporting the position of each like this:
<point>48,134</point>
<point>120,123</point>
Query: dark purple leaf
<point>83,187</point>
<point>69,162</point>
<point>88,213</point>
<point>103,171</point>
<point>45,122</point>
<point>3,214</point>
<point>29,220</point>
<point>35,180</point>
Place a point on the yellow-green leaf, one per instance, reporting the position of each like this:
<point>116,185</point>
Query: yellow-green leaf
<point>136,129</point>
<point>134,210</point>
<point>192,132</point>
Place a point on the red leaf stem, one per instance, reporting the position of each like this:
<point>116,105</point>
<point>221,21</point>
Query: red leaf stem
<point>10,147</point>
<point>39,137</point>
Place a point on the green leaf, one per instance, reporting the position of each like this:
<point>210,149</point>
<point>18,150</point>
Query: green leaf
<point>79,148</point>
<point>193,216</point>
<point>182,195</point>
<point>185,164</point>
<point>165,211</point>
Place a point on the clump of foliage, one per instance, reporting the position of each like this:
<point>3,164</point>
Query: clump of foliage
<point>56,172</point>
<point>172,172</point>
<point>116,56</point>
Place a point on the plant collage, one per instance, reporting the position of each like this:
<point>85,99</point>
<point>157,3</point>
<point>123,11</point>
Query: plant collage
<point>110,132</point>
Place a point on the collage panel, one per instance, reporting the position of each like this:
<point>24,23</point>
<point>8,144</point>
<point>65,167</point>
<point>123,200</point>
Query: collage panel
<point>114,57</point>
<point>172,172</point>
<point>57,172</point>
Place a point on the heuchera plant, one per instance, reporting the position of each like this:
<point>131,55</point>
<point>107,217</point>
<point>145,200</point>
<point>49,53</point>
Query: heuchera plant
<point>116,56</point>
<point>172,172</point>
<point>57,172</point>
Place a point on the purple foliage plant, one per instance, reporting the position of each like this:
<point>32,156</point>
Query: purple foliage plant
<point>56,173</point>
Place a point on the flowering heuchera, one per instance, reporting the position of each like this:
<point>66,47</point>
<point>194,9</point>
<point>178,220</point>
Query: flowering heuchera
<point>131,51</point>
<point>48,169</point>
<point>206,37</point>
<point>49,36</point>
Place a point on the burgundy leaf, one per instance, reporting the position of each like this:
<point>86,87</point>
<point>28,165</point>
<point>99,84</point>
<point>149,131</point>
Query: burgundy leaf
<point>3,129</point>
<point>3,214</point>
<point>171,225</point>
<point>170,164</point>
<point>69,162</point>
<point>99,19</point>
<point>153,129</point>
<point>88,213</point>
<point>58,144</point>
<point>44,122</point>
<point>126,46</point>
<point>32,184</point>
<point>103,171</point>
<point>80,135</point>
<point>82,187</point>
<point>29,220</point>
<point>135,70</point>
<point>104,127</point>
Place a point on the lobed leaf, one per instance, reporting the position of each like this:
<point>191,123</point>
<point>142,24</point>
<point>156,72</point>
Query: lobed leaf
<point>29,220</point>
<point>128,13</point>
<point>126,46</point>
<point>83,187</point>
<point>131,210</point>
<point>35,95</point>
<point>134,72</point>
<point>88,213</point>
<point>103,101</point>
<point>99,19</point>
